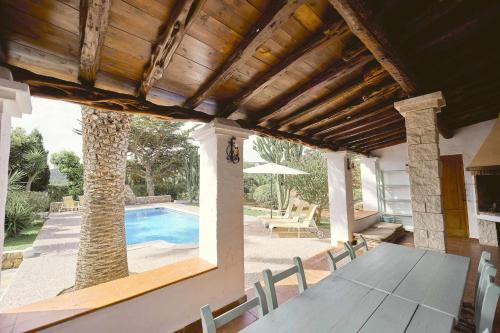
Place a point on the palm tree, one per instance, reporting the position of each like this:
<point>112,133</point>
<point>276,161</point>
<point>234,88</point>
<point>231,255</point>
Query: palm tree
<point>102,254</point>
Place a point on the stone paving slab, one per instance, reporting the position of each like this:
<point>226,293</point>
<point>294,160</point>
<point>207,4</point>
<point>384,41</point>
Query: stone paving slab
<point>53,269</point>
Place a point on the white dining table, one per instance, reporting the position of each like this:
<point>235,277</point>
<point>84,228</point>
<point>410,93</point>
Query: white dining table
<point>389,289</point>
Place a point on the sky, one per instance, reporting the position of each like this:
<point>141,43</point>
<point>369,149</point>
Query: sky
<point>56,121</point>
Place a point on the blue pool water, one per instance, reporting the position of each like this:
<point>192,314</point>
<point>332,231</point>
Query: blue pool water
<point>144,225</point>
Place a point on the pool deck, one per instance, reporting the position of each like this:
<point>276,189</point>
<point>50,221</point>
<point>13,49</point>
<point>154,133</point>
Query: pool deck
<point>53,267</point>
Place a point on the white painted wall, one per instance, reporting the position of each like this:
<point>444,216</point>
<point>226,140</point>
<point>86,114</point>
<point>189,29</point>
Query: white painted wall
<point>466,141</point>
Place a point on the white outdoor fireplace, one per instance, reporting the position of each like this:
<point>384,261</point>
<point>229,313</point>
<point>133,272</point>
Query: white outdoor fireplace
<point>486,170</point>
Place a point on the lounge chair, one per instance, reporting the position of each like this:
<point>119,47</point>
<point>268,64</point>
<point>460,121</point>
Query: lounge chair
<point>308,223</point>
<point>69,204</point>
<point>288,216</point>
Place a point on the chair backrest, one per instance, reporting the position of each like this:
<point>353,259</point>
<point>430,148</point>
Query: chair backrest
<point>68,202</point>
<point>298,212</point>
<point>310,216</point>
<point>334,258</point>
<point>488,271</point>
<point>485,259</point>
<point>353,248</point>
<point>271,280</point>
<point>210,324</point>
<point>489,305</point>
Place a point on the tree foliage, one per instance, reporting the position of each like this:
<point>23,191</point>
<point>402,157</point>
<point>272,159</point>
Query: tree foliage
<point>68,163</point>
<point>158,149</point>
<point>279,152</point>
<point>313,187</point>
<point>28,156</point>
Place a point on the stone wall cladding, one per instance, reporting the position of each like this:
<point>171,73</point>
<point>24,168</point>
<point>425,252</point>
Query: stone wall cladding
<point>153,199</point>
<point>12,259</point>
<point>424,168</point>
<point>487,233</point>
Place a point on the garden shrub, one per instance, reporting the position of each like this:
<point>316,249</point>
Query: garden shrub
<point>38,201</point>
<point>18,214</point>
<point>139,190</point>
<point>57,192</point>
<point>262,195</point>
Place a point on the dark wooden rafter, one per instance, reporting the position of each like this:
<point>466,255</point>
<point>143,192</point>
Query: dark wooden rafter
<point>271,20</point>
<point>370,135</point>
<point>183,15</point>
<point>377,97</point>
<point>367,127</point>
<point>384,137</point>
<point>52,88</point>
<point>345,94</point>
<point>304,140</point>
<point>362,23</point>
<point>366,117</point>
<point>334,72</point>
<point>330,30</point>
<point>94,16</point>
<point>383,144</point>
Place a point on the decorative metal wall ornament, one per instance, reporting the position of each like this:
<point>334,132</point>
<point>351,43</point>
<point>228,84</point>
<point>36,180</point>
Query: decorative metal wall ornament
<point>233,151</point>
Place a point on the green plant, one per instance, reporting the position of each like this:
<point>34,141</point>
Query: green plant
<point>57,192</point>
<point>18,214</point>
<point>262,196</point>
<point>312,187</point>
<point>38,201</point>
<point>279,152</point>
<point>69,165</point>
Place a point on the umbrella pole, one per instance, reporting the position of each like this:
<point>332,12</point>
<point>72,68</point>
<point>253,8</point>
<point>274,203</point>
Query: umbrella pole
<point>271,195</point>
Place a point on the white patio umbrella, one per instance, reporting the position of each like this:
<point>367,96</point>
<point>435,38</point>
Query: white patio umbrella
<point>274,169</point>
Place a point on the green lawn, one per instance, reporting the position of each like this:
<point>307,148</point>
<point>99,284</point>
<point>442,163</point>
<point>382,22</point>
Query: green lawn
<point>25,239</point>
<point>255,212</point>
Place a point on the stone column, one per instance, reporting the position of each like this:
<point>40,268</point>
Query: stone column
<point>221,238</point>
<point>424,168</point>
<point>14,102</point>
<point>368,168</point>
<point>341,204</point>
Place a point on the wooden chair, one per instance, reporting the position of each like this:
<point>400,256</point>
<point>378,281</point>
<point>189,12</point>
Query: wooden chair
<point>271,280</point>
<point>210,324</point>
<point>334,258</point>
<point>353,248</point>
<point>488,305</point>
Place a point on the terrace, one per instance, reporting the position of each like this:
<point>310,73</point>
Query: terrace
<point>391,82</point>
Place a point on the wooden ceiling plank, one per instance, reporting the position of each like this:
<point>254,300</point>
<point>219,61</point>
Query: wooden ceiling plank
<point>383,145</point>
<point>362,23</point>
<point>382,138</point>
<point>365,136</point>
<point>278,12</point>
<point>379,136</point>
<point>257,85</point>
<point>94,18</point>
<point>183,15</point>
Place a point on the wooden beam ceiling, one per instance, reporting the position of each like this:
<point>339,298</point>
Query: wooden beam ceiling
<point>362,23</point>
<point>367,127</point>
<point>48,87</point>
<point>324,121</point>
<point>183,15</point>
<point>94,15</point>
<point>331,30</point>
<point>335,72</point>
<point>271,20</point>
<point>346,94</point>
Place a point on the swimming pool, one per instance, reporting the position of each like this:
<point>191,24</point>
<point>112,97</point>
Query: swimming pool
<point>144,225</point>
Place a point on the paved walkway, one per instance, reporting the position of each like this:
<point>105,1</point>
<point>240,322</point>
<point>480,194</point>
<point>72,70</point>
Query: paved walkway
<point>53,269</point>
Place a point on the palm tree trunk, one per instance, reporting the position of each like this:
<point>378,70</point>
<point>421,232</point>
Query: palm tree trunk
<point>28,184</point>
<point>102,254</point>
